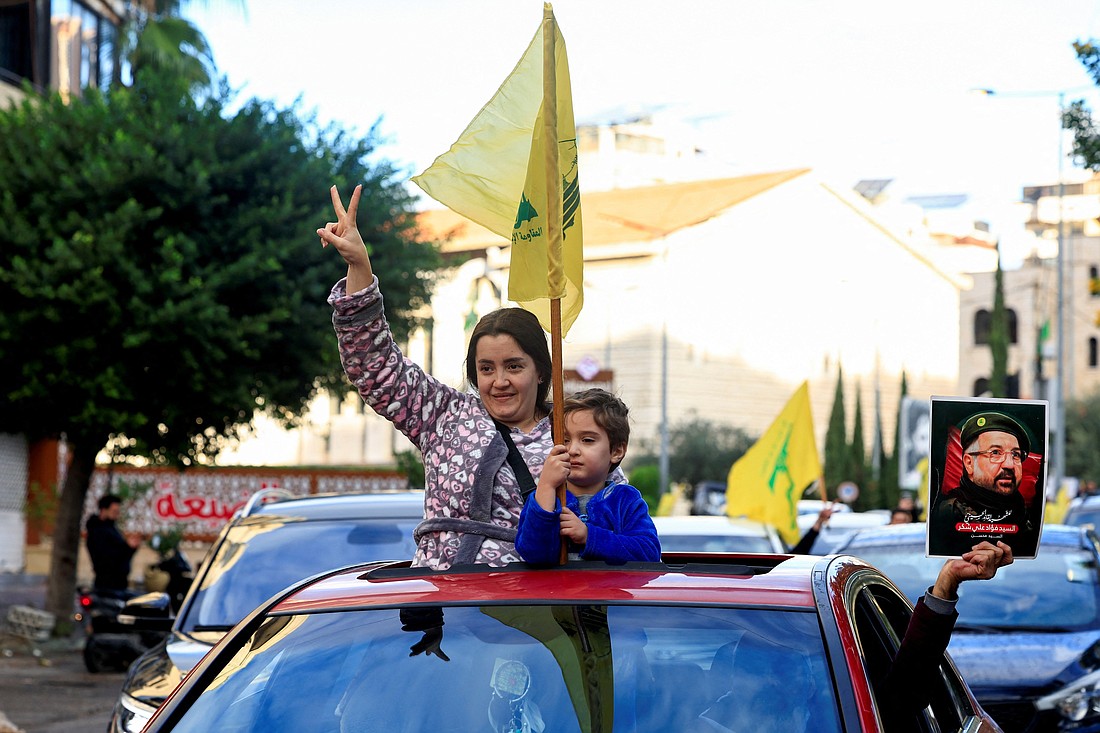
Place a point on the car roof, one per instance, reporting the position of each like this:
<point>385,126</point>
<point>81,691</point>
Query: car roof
<point>914,533</point>
<point>396,504</point>
<point>708,525</point>
<point>763,580</point>
<point>1084,503</point>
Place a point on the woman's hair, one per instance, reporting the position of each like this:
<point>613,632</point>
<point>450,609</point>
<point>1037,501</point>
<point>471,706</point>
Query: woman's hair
<point>524,327</point>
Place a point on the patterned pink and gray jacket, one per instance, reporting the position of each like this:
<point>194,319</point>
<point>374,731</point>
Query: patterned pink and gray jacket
<point>472,500</point>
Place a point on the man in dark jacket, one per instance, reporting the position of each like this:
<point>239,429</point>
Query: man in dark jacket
<point>110,551</point>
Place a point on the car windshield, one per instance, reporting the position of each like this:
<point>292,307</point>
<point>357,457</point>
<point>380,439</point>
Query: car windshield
<point>714,543</point>
<point>1058,589</point>
<point>260,558</point>
<point>525,668</point>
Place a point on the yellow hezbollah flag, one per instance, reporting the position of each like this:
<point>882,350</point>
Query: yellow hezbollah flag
<point>496,175</point>
<point>766,483</point>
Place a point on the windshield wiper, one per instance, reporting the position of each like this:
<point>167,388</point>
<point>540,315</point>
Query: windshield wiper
<point>213,627</point>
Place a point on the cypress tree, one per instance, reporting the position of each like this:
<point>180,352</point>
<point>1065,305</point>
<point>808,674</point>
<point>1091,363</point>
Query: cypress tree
<point>998,335</point>
<point>857,458</point>
<point>836,440</point>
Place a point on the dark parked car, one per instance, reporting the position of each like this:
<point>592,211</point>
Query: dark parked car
<point>697,643</point>
<point>276,540</point>
<point>1028,641</point>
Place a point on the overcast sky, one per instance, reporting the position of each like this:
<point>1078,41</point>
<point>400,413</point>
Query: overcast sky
<point>854,89</point>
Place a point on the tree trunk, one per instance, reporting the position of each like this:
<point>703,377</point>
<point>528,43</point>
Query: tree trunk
<point>61,588</point>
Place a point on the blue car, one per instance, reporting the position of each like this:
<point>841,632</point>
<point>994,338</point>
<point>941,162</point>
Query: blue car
<point>1028,641</point>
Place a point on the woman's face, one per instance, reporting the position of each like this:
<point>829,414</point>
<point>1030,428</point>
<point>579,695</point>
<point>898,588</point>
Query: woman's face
<point>507,380</point>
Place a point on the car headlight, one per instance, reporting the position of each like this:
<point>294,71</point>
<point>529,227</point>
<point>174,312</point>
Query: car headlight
<point>131,714</point>
<point>1077,700</point>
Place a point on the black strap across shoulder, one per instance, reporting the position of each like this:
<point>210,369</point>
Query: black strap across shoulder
<point>515,460</point>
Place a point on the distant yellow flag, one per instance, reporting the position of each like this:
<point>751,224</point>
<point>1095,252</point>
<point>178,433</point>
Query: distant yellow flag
<point>1056,510</point>
<point>766,483</point>
<point>495,174</point>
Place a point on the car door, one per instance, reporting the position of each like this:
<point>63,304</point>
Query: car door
<point>872,617</point>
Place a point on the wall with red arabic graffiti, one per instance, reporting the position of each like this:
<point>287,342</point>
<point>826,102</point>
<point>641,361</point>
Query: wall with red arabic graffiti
<point>201,500</point>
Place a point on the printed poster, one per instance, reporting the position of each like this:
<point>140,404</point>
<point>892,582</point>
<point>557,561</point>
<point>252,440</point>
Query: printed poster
<point>988,462</point>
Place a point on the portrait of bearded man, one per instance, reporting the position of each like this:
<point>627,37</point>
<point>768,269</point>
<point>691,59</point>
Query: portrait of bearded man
<point>987,503</point>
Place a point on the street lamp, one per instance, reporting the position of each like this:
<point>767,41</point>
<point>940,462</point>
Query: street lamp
<point>1059,457</point>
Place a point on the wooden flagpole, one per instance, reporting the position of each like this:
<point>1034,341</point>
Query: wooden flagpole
<point>555,273</point>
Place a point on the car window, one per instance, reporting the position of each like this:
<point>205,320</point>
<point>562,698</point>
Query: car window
<point>532,668</point>
<point>881,621</point>
<point>258,559</point>
<point>1058,589</point>
<point>1078,517</point>
<point>714,543</point>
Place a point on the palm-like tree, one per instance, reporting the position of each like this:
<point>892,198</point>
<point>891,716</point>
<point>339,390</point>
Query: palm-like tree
<point>154,35</point>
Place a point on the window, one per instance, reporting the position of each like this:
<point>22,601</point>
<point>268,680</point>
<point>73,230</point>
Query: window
<point>1010,315</point>
<point>981,386</point>
<point>881,620</point>
<point>983,322</point>
<point>80,41</point>
<point>1092,352</point>
<point>1094,281</point>
<point>16,40</point>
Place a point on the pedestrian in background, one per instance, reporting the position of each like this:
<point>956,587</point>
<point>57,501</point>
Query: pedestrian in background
<point>110,550</point>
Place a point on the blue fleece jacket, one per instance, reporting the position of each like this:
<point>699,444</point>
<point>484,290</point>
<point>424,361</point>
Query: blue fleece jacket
<point>619,528</point>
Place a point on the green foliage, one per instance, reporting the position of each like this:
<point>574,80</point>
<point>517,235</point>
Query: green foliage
<point>167,540</point>
<point>998,334</point>
<point>836,440</point>
<point>160,275</point>
<point>410,463</point>
<point>701,450</point>
<point>1082,437</point>
<point>41,505</point>
<point>889,489</point>
<point>646,478</point>
<point>1078,118</point>
<point>857,458</point>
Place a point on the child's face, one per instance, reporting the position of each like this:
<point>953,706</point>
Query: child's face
<point>590,453</point>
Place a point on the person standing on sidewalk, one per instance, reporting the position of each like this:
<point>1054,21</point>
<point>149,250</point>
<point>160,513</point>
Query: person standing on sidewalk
<point>111,552</point>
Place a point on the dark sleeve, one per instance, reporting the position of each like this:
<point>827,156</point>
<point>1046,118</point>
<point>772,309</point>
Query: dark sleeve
<point>906,688</point>
<point>804,544</point>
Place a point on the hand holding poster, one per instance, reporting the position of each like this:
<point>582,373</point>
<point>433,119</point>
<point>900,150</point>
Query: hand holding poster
<point>988,461</point>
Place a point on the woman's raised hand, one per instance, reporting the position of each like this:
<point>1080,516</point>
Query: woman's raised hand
<point>344,235</point>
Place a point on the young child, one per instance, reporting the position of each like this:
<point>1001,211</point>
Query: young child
<point>602,520</point>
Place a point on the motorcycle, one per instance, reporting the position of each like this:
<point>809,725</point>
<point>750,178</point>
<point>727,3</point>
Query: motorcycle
<point>111,644</point>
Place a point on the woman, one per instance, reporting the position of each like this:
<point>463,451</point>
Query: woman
<point>472,496</point>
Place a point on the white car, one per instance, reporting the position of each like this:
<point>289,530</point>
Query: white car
<point>840,527</point>
<point>716,534</point>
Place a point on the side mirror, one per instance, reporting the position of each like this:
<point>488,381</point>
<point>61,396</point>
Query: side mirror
<point>150,612</point>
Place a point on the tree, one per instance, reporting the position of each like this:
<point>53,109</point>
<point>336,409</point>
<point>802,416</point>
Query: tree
<point>1078,117</point>
<point>891,491</point>
<point>857,458</point>
<point>1082,437</point>
<point>836,440</point>
<point>154,38</point>
<point>998,334</point>
<point>161,279</point>
<point>700,450</point>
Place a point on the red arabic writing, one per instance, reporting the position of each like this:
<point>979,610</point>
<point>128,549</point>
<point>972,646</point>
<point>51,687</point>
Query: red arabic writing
<point>195,507</point>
